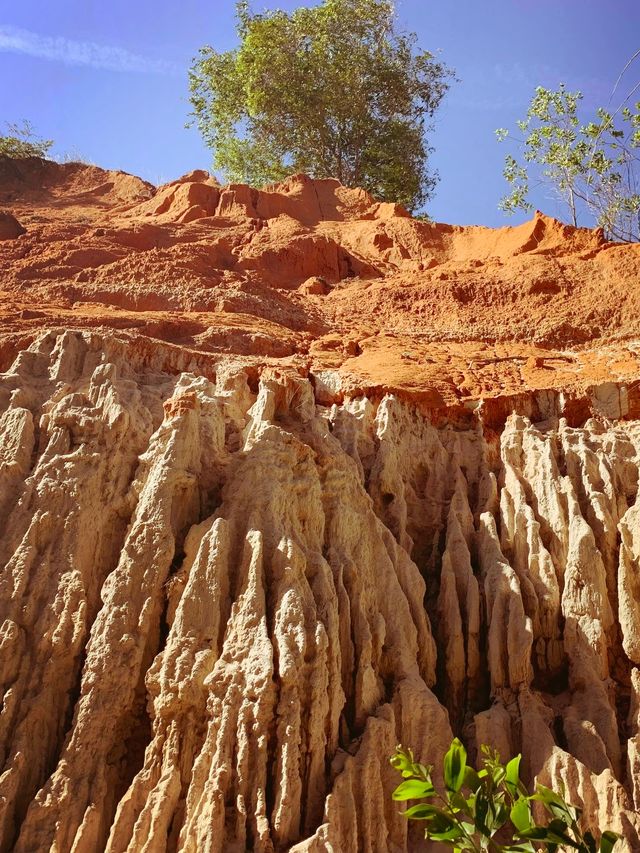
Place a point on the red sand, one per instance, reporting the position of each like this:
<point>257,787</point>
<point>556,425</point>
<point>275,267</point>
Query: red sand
<point>310,275</point>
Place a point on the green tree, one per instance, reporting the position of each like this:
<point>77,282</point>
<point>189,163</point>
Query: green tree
<point>490,809</point>
<point>334,90</point>
<point>21,141</point>
<point>594,167</point>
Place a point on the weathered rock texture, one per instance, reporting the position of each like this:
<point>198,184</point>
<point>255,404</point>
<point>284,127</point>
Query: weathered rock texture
<point>231,580</point>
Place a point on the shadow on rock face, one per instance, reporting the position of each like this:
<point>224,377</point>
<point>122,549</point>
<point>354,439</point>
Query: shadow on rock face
<point>10,228</point>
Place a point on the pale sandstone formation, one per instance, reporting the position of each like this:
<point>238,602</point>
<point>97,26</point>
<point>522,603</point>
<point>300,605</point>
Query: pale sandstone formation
<point>224,602</point>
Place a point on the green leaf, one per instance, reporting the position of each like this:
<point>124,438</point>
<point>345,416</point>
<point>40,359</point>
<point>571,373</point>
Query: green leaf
<point>562,811</point>
<point>471,778</point>
<point>413,789</point>
<point>497,813</point>
<point>443,828</point>
<point>536,833</point>
<point>608,841</point>
<point>498,774</point>
<point>482,809</point>
<point>457,802</point>
<point>556,835</point>
<point>520,814</point>
<point>547,796</point>
<point>423,811</point>
<point>453,834</point>
<point>399,760</point>
<point>455,762</point>
<point>512,775</point>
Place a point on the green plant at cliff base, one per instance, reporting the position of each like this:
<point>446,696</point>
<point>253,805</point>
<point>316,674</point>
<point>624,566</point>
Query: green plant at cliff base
<point>21,142</point>
<point>490,809</point>
<point>334,90</point>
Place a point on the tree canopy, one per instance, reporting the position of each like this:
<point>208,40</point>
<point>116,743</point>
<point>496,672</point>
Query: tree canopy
<point>334,90</point>
<point>593,166</point>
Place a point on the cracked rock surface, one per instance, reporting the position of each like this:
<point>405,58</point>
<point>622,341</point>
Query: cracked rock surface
<point>224,600</point>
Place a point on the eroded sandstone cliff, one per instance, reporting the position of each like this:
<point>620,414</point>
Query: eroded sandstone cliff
<point>241,559</point>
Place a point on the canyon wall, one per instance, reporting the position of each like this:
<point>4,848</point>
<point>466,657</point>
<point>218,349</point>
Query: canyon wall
<point>237,569</point>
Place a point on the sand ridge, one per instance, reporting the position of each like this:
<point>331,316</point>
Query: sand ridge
<point>313,276</point>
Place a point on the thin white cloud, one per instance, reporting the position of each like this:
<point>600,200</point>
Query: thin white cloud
<point>89,53</point>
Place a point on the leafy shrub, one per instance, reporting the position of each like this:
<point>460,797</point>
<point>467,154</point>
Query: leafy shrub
<point>593,167</point>
<point>489,809</point>
<point>22,142</point>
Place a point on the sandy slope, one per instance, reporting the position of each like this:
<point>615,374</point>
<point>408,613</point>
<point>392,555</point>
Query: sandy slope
<point>445,313</point>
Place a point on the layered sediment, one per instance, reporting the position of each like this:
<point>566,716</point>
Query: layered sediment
<point>252,540</point>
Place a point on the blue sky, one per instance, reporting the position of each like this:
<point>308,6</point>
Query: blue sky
<point>108,81</point>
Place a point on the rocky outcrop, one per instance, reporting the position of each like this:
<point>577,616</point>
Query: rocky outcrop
<point>225,599</point>
<point>10,228</point>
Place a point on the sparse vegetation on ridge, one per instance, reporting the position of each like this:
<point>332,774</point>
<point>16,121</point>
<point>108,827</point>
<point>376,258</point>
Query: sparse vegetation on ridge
<point>21,141</point>
<point>592,166</point>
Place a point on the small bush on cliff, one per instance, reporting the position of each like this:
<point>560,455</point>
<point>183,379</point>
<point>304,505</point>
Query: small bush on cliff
<point>593,167</point>
<point>333,90</point>
<point>489,809</point>
<point>21,142</point>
